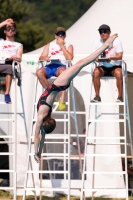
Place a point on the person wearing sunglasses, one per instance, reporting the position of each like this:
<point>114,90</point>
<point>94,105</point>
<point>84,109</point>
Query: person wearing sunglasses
<point>57,54</point>
<point>108,63</point>
<point>9,51</point>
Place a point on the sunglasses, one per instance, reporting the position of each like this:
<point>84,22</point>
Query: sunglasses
<point>103,31</point>
<point>10,29</point>
<point>61,33</point>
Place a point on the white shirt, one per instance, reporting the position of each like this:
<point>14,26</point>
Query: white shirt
<point>116,47</point>
<point>8,48</point>
<point>55,51</point>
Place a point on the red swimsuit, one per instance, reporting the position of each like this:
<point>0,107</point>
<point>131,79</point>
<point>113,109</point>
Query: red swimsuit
<point>46,93</point>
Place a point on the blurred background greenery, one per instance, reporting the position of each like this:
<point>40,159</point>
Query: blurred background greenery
<point>37,19</point>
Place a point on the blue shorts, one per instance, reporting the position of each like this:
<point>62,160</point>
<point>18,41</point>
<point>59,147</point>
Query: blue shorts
<point>51,69</point>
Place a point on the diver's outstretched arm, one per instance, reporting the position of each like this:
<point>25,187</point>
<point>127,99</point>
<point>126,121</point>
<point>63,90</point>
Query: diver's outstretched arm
<point>42,141</point>
<point>66,76</point>
<point>39,143</point>
<point>42,112</point>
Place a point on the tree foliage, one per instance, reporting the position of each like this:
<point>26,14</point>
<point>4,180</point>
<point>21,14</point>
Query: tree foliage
<point>37,19</point>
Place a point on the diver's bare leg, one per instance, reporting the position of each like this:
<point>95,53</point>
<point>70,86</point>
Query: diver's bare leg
<point>65,77</point>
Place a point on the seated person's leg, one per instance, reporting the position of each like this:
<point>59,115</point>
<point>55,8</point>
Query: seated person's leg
<point>117,72</point>
<point>8,86</point>
<point>62,104</point>
<point>7,70</point>
<point>98,72</point>
<point>42,75</point>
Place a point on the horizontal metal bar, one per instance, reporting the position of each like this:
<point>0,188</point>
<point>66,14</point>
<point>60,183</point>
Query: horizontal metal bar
<point>45,142</point>
<point>71,112</point>
<point>51,154</point>
<point>7,188</point>
<point>121,114</point>
<point>2,120</point>
<point>6,142</point>
<point>107,189</point>
<point>6,153</point>
<point>11,113</point>
<point>6,170</point>
<point>106,120</point>
<point>104,104</point>
<point>57,120</point>
<point>48,171</point>
<point>100,155</point>
<point>72,157</point>
<point>47,189</point>
<point>106,144</point>
<point>107,138</point>
<point>6,136</point>
<point>123,172</point>
<point>55,136</point>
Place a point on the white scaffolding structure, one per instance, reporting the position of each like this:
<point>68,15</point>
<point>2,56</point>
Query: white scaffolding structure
<point>61,117</point>
<point>11,139</point>
<point>94,141</point>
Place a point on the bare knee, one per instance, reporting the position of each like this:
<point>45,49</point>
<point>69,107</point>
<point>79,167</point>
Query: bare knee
<point>41,73</point>
<point>118,73</point>
<point>97,73</point>
<point>60,70</point>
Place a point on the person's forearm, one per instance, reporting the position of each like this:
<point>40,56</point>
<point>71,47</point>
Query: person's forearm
<point>2,24</point>
<point>66,53</point>
<point>46,58</point>
<point>115,58</point>
<point>17,59</point>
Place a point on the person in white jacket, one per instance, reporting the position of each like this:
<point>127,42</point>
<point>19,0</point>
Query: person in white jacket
<point>9,51</point>
<point>56,53</point>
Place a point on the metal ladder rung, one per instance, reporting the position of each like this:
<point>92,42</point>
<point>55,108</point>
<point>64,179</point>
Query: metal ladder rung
<point>6,188</point>
<point>49,189</point>
<point>106,120</point>
<point>56,142</point>
<point>104,104</point>
<point>6,153</point>
<point>6,120</point>
<point>105,143</point>
<point>6,170</point>
<point>6,136</point>
<point>7,142</point>
<point>107,189</point>
<point>51,154</point>
<point>58,120</point>
<point>54,136</point>
<point>71,112</point>
<point>47,171</point>
<point>100,155</point>
<point>2,102</point>
<point>106,138</point>
<point>11,113</point>
<point>104,172</point>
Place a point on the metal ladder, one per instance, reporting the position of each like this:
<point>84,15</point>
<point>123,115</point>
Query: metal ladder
<point>63,117</point>
<point>11,140</point>
<point>93,140</point>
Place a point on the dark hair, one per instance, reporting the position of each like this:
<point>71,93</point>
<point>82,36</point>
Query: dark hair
<point>49,124</point>
<point>14,25</point>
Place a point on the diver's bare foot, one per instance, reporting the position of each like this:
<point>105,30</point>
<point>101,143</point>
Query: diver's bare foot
<point>111,39</point>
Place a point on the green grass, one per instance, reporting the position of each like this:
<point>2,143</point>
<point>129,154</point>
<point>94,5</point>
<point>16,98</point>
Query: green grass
<point>7,196</point>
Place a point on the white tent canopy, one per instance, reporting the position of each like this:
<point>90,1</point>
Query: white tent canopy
<point>118,14</point>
